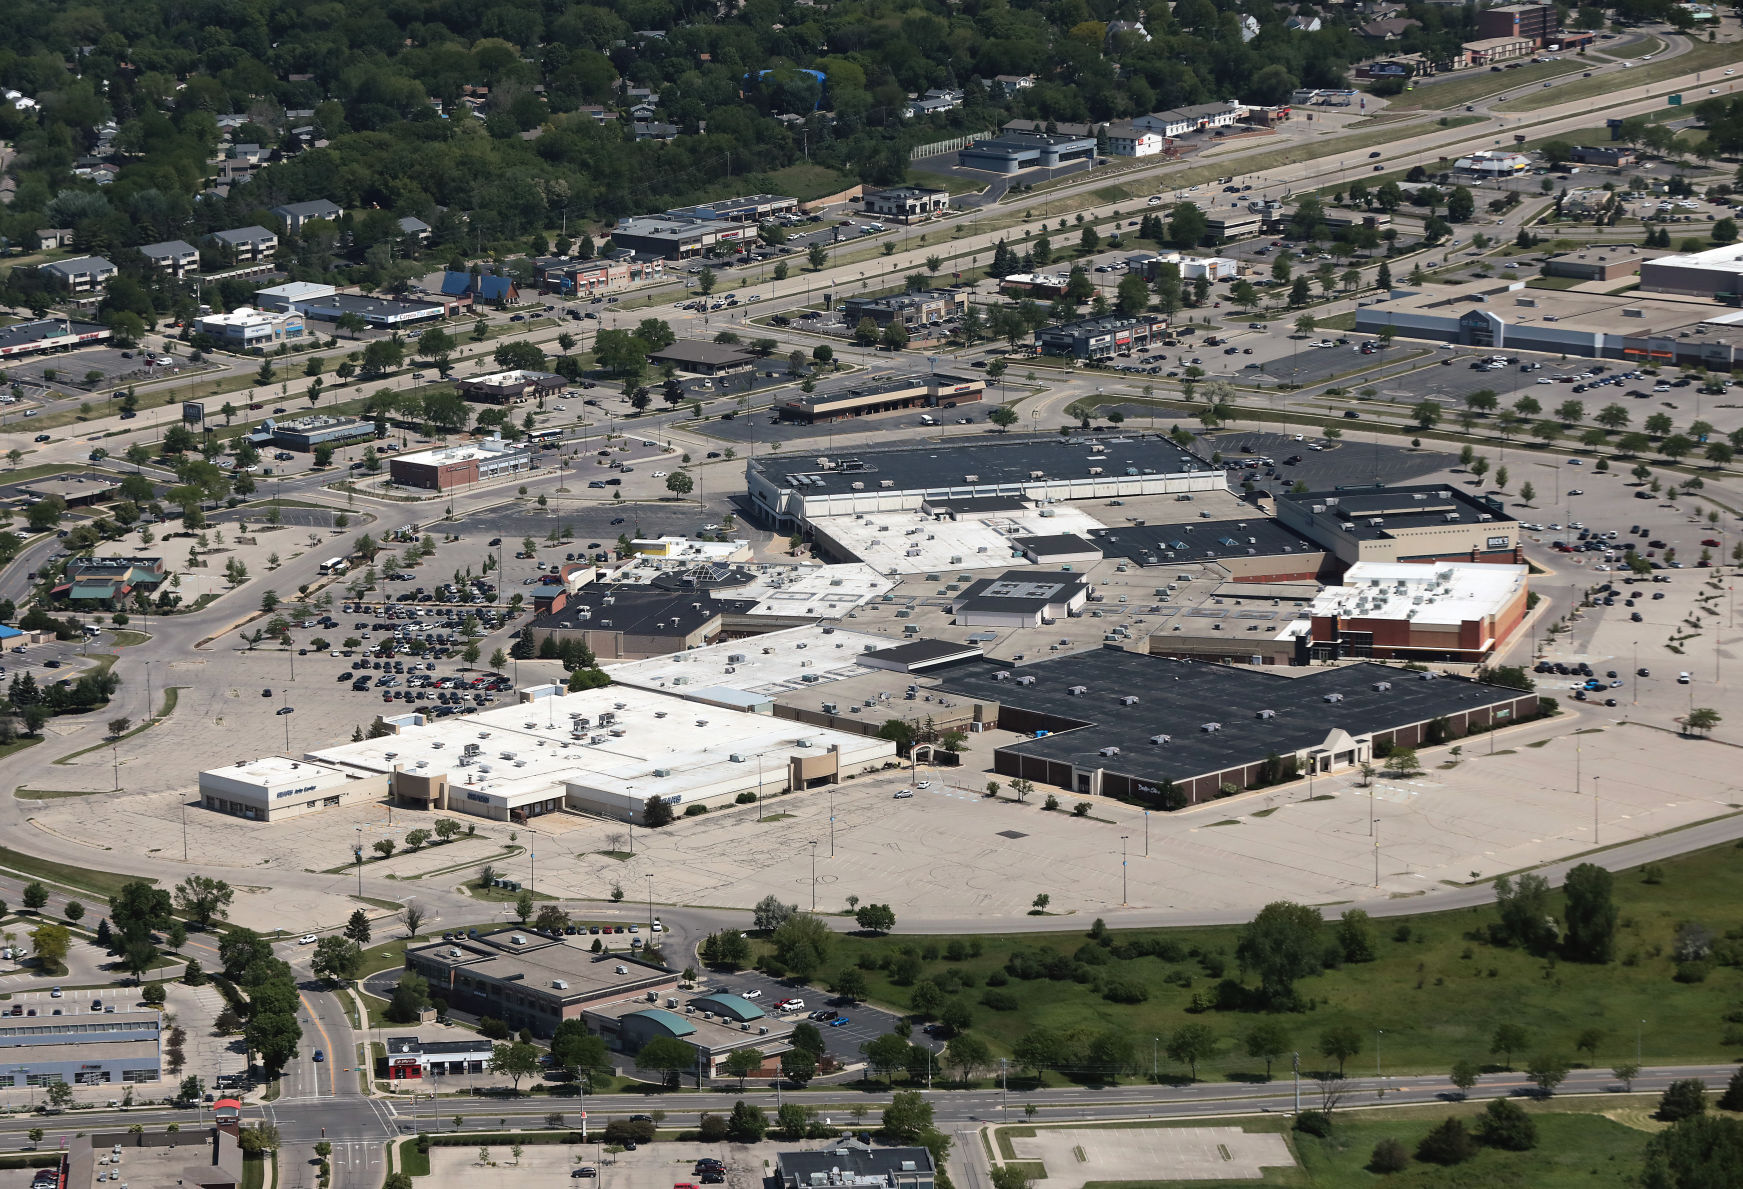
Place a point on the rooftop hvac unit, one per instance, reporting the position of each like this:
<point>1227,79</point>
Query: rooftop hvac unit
<point>1210,728</point>
<point>518,938</point>
<point>736,757</point>
<point>1001,676</point>
<point>622,970</point>
<point>802,743</point>
<point>1334,697</point>
<point>1129,700</point>
<point>1160,739</point>
<point>662,773</point>
<point>1109,751</point>
<point>1077,691</point>
<point>453,951</point>
<point>1382,686</point>
<point>1266,714</point>
<point>829,707</point>
<point>744,1027</point>
<point>736,658</point>
<point>763,1030</point>
<point>560,984</point>
<point>1026,679</point>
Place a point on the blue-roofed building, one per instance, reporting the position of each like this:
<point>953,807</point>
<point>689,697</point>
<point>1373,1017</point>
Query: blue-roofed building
<point>714,1025</point>
<point>484,287</point>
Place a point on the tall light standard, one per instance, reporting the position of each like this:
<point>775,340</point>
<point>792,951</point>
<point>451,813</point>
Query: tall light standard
<point>1146,833</point>
<point>813,875</point>
<point>1123,838</point>
<point>1378,1076</point>
<point>650,877</point>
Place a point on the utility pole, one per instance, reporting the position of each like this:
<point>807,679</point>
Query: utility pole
<point>1123,838</point>
<point>1295,1061</point>
<point>813,875</point>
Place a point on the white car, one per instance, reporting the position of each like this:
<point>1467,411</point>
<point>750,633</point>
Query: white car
<point>307,939</point>
<point>753,993</point>
<point>1683,679</point>
<point>923,784</point>
<point>659,474</point>
<point>903,794</point>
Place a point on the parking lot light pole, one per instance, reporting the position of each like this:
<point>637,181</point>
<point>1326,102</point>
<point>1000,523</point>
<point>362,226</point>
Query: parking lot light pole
<point>650,877</point>
<point>813,875</point>
<point>1123,838</point>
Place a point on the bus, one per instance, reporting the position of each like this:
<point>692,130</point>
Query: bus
<point>545,437</point>
<point>335,565</point>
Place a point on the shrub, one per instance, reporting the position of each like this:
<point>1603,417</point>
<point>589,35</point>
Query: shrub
<point>746,797</point>
<point>1389,1156</point>
<point>1683,1099</point>
<point>1120,990</point>
<point>1314,1123</point>
<point>695,810</point>
<point>999,1000</point>
<point>1449,1143</point>
<point>492,1027</point>
<point>1052,802</point>
<point>1506,1125</point>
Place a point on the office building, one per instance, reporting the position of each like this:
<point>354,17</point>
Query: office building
<point>245,245</point>
<point>297,215</point>
<point>285,297</point>
<point>676,237</point>
<point>705,359</point>
<point>193,1158</point>
<point>1013,152</point>
<point>1538,23</point>
<point>305,433</point>
<point>529,980</point>
<point>380,312</point>
<point>445,467</point>
<point>850,1164</point>
<point>248,329</point>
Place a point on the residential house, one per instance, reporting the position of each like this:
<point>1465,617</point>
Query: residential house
<point>245,245</point>
<point>654,130</point>
<point>1249,25</point>
<point>416,228</point>
<point>50,238</point>
<point>1388,29</point>
<point>1124,28</point>
<point>81,274</point>
<point>173,256</point>
<point>251,153</point>
<point>295,214</point>
<point>1010,84</point>
<point>934,102</point>
<point>1301,24</point>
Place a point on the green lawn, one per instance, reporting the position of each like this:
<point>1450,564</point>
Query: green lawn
<point>1438,988</point>
<point>254,1171</point>
<point>1573,1149</point>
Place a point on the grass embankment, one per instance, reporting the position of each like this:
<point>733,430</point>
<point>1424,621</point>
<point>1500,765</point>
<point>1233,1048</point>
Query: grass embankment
<point>1437,986</point>
<point>1619,85</point>
<point>1469,88</point>
<point>83,879</point>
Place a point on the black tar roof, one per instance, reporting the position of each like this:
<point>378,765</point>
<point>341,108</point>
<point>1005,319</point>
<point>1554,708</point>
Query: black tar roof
<point>1176,698</point>
<point>969,504</point>
<point>918,654</point>
<point>1054,544</point>
<point>1019,591</point>
<point>634,610</point>
<point>712,354</point>
<point>1416,506</point>
<point>855,1159</point>
<point>1201,540</point>
<point>21,333</point>
<point>994,460</point>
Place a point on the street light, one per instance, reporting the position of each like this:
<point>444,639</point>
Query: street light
<point>650,877</point>
<point>1123,838</point>
<point>813,875</point>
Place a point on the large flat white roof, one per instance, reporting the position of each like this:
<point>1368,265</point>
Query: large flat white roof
<point>1728,258</point>
<point>770,664</point>
<point>784,588</point>
<point>912,542</point>
<point>1437,594</point>
<point>268,771</point>
<point>655,745</point>
<point>464,452</point>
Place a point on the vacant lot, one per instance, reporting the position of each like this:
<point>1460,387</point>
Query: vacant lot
<point>1435,986</point>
